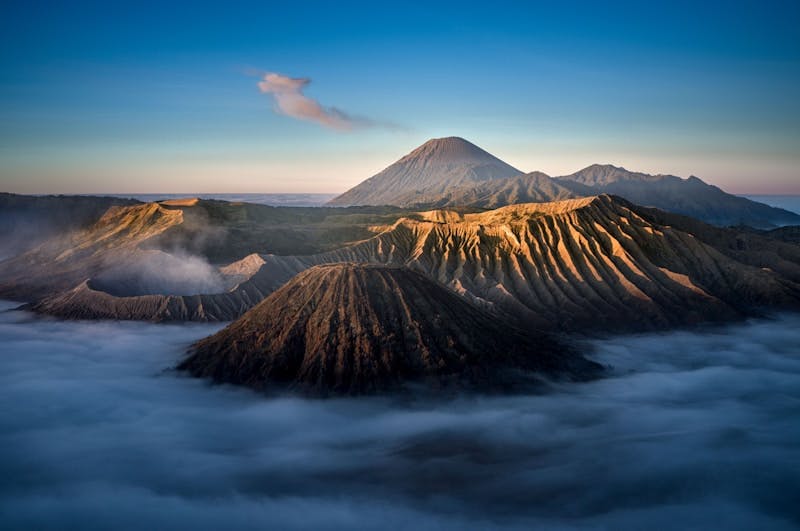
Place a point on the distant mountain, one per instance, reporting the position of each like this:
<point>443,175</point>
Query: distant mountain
<point>605,174</point>
<point>354,329</point>
<point>453,173</point>
<point>430,171</point>
<point>691,197</point>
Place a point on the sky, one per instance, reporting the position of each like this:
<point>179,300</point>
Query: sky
<point>317,96</point>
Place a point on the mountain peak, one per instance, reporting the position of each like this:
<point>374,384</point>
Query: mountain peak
<point>451,149</point>
<point>436,167</point>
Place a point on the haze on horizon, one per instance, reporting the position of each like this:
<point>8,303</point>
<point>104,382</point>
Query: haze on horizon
<point>264,97</point>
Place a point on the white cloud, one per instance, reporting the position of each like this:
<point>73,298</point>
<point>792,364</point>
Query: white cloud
<point>287,93</point>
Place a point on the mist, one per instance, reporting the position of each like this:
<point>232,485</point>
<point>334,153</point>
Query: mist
<point>689,430</point>
<point>158,272</point>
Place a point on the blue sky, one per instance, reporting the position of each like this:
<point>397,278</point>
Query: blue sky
<point>141,97</point>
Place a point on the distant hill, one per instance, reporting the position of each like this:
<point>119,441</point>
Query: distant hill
<point>354,329</point>
<point>430,171</point>
<point>691,197</point>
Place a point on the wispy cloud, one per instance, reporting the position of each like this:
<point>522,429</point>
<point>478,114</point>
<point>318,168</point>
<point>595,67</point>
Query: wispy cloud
<point>287,94</point>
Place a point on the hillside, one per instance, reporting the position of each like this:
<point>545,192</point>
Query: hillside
<point>353,329</point>
<point>128,243</point>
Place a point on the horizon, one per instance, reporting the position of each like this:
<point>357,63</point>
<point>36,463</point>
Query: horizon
<point>134,192</point>
<point>268,99</point>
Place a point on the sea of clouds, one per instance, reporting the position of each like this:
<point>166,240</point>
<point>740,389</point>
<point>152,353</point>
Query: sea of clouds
<point>690,430</point>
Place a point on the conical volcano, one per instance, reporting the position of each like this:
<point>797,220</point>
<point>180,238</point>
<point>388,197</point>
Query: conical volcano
<point>431,170</point>
<point>353,329</point>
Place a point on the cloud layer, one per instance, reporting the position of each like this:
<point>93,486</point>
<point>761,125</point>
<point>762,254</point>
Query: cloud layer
<point>690,431</point>
<point>287,93</point>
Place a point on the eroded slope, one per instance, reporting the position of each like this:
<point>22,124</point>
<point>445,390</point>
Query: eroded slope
<point>352,329</point>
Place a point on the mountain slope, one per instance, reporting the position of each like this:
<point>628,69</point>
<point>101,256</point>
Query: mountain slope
<point>26,221</point>
<point>65,261</point>
<point>355,329</point>
<point>690,197</point>
<point>588,264</point>
<point>130,241</point>
<point>431,170</point>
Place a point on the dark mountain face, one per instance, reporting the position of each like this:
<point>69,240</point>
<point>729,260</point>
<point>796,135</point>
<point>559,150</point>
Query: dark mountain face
<point>353,329</point>
<point>431,170</point>
<point>690,197</point>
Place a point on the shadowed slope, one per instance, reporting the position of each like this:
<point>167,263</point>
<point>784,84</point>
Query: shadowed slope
<point>431,170</point>
<point>347,328</point>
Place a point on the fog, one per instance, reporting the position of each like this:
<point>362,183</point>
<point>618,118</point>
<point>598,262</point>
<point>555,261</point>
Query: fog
<point>689,430</point>
<point>157,272</point>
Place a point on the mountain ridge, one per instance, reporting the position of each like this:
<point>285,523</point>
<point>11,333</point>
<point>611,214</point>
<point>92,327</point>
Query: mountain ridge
<point>584,264</point>
<point>691,196</point>
<point>452,172</point>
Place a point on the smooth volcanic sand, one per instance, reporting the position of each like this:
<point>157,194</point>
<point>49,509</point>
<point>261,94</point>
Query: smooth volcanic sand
<point>692,429</point>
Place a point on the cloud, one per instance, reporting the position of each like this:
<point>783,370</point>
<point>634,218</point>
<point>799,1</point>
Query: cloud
<point>691,430</point>
<point>287,93</point>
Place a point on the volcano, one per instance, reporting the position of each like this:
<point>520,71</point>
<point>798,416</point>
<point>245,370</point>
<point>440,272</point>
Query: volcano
<point>356,329</point>
<point>431,170</point>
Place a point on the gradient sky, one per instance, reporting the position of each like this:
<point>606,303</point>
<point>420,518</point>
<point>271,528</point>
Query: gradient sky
<point>143,97</point>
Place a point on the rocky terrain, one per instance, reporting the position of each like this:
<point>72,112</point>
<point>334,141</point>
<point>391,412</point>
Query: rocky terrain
<point>354,328</point>
<point>586,265</point>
